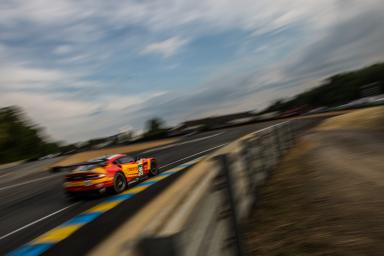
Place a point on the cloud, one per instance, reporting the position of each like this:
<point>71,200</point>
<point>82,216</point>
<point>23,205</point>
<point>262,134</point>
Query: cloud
<point>62,114</point>
<point>130,102</point>
<point>62,49</point>
<point>166,48</point>
<point>348,44</point>
<point>70,63</point>
<point>25,75</point>
<point>352,42</point>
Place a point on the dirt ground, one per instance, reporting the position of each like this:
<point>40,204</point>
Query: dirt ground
<point>371,119</point>
<point>327,195</point>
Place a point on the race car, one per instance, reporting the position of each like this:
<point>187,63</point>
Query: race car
<point>113,173</point>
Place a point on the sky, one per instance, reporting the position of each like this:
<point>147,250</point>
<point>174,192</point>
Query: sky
<point>87,69</point>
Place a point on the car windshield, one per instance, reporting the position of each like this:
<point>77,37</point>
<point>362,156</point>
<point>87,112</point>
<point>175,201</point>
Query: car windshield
<point>99,159</point>
<point>91,164</point>
<point>87,167</point>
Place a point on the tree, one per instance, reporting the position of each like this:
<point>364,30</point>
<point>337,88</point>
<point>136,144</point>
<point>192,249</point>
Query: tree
<point>20,138</point>
<point>154,125</point>
<point>335,90</point>
<point>155,128</point>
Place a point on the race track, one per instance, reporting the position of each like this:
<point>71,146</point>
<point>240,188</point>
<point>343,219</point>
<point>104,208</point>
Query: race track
<point>34,203</point>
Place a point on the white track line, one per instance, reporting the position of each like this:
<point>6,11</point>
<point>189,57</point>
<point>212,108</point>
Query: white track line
<point>182,143</point>
<point>69,206</point>
<point>63,209</point>
<point>30,181</point>
<point>37,221</point>
<point>258,131</point>
<point>199,139</point>
<point>266,128</point>
<point>199,153</point>
<point>151,150</point>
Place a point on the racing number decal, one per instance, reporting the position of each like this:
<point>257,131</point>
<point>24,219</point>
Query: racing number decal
<point>140,169</point>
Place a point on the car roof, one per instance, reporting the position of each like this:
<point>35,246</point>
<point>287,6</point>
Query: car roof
<point>106,158</point>
<point>115,156</point>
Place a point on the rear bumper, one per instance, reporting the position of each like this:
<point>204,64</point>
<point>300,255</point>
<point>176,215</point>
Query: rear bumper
<point>88,185</point>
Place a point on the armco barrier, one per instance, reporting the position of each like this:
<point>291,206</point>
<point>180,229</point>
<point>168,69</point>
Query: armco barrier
<point>202,213</point>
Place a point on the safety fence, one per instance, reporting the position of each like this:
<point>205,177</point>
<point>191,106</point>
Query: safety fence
<point>203,212</point>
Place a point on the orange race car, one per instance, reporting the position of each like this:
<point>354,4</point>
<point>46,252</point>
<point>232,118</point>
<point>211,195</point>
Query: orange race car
<point>112,173</point>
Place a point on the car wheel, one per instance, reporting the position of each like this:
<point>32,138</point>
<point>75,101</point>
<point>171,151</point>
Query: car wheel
<point>119,183</point>
<point>154,170</point>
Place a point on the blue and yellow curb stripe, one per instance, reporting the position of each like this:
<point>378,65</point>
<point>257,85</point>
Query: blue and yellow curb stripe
<point>54,236</point>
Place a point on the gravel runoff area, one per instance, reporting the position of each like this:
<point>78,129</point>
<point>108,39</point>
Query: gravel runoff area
<point>327,196</point>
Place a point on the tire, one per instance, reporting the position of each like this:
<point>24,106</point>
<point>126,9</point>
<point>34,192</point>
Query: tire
<point>119,183</point>
<point>154,170</point>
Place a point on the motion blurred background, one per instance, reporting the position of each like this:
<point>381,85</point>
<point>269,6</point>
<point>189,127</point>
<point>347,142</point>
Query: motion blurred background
<point>84,75</point>
<point>79,70</point>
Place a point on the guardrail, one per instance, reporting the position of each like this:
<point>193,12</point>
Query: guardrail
<point>203,212</point>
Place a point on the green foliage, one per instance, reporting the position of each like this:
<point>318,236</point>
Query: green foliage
<point>19,139</point>
<point>154,125</point>
<point>336,90</point>
<point>155,129</point>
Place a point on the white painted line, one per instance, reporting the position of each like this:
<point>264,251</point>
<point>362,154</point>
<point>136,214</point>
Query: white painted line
<point>167,146</point>
<point>199,139</point>
<point>255,132</point>
<point>63,209</point>
<point>30,181</point>
<point>164,166</point>
<point>69,206</point>
<point>266,128</point>
<point>37,221</point>
<point>199,153</point>
<point>182,143</point>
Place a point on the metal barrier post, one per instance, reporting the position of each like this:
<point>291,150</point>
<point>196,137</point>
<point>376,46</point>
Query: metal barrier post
<point>247,150</point>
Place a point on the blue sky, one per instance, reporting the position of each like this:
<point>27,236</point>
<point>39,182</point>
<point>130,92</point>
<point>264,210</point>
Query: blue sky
<point>85,69</point>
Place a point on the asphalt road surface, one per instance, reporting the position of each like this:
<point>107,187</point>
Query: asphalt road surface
<point>33,202</point>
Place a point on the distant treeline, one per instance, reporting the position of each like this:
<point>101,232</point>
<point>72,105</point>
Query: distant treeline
<point>336,90</point>
<point>20,138</point>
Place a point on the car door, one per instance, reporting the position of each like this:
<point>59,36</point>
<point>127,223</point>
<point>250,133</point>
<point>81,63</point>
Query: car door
<point>140,168</point>
<point>128,166</point>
